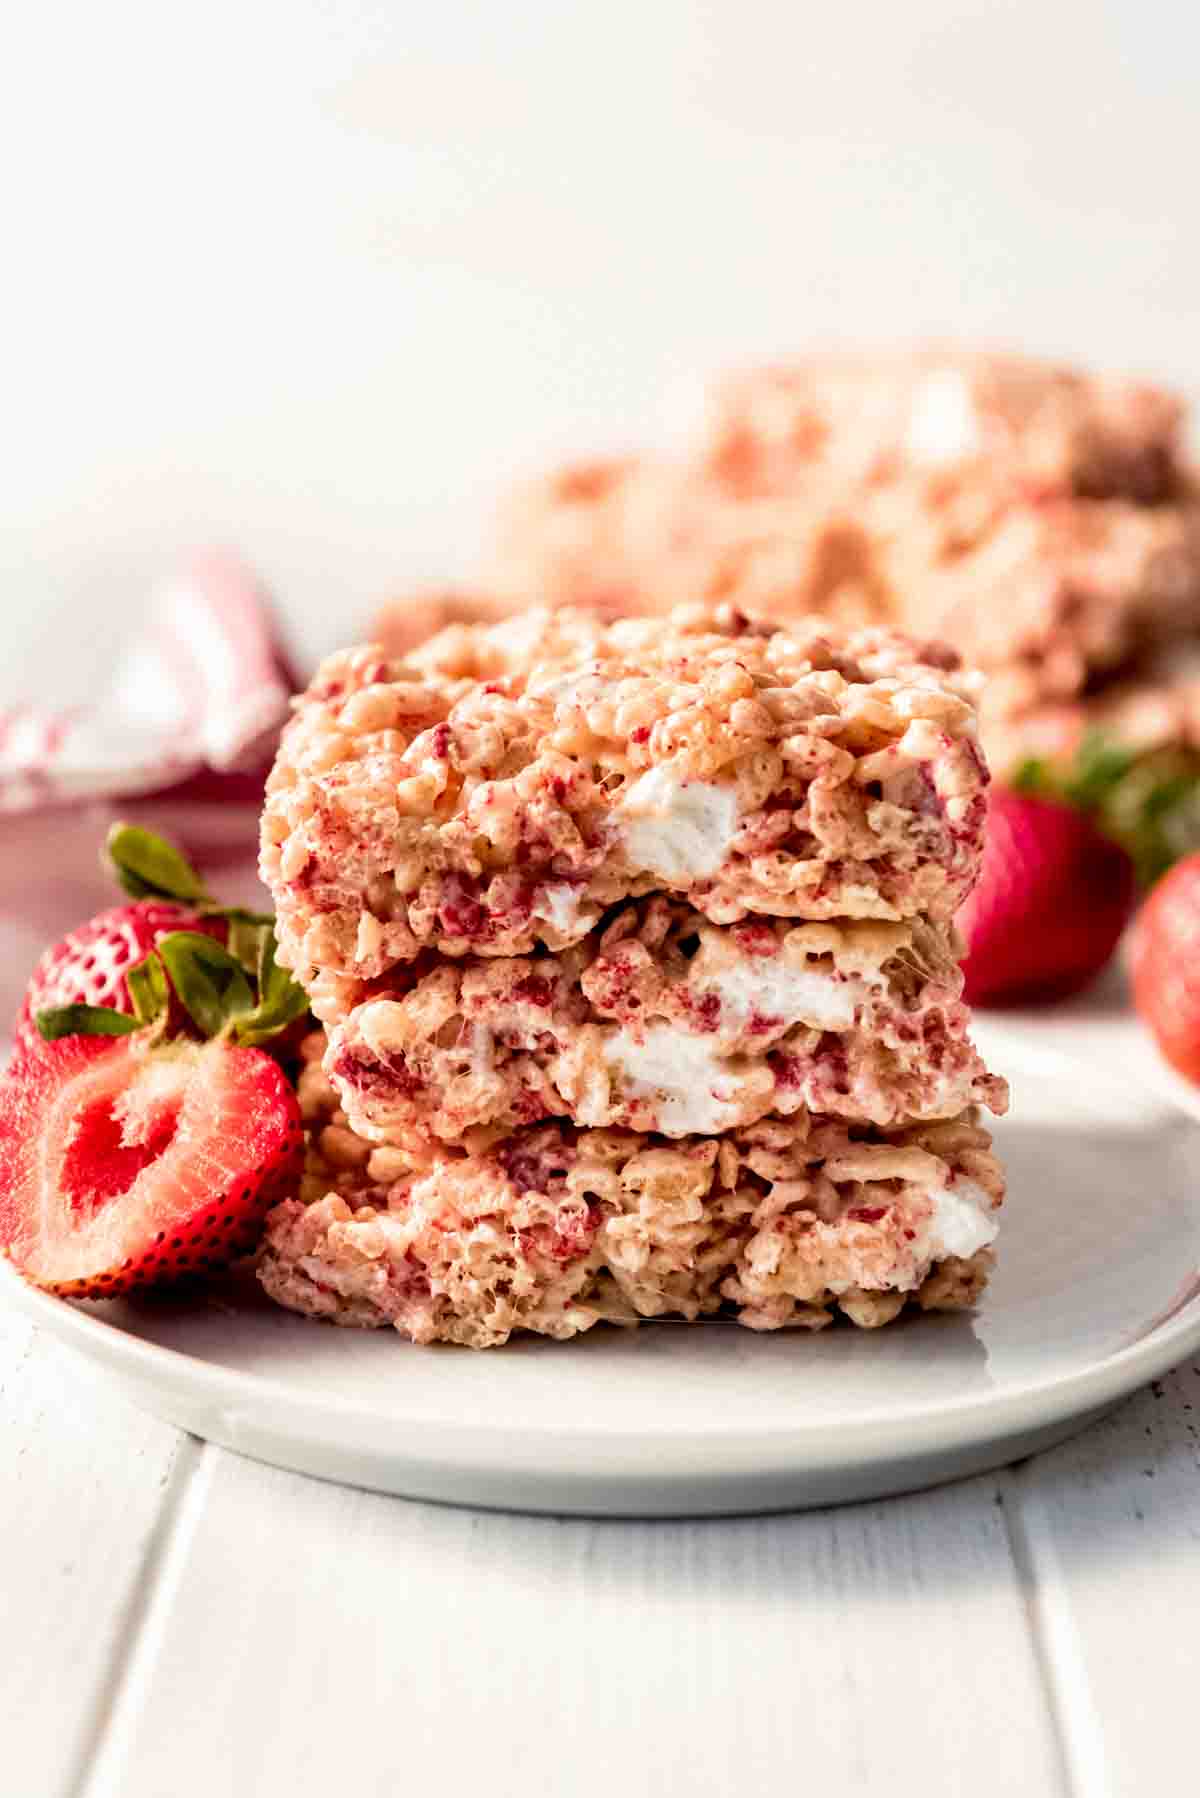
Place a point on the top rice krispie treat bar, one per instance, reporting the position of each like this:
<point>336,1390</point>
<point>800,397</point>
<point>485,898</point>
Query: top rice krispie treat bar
<point>506,785</point>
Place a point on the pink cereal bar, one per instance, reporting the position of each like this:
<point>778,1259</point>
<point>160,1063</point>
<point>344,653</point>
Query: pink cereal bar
<point>1042,519</point>
<point>505,785</point>
<point>881,416</point>
<point>809,467</point>
<point>664,1022</point>
<point>630,535</point>
<point>1047,594</point>
<point>406,622</point>
<point>553,1229</point>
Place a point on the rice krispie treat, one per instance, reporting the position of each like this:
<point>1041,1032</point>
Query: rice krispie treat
<point>1048,595</point>
<point>868,419</point>
<point>626,536</point>
<point>505,786</point>
<point>1041,519</point>
<point>1049,599</point>
<point>553,1229</point>
<point>405,623</point>
<point>801,447</point>
<point>661,1021</point>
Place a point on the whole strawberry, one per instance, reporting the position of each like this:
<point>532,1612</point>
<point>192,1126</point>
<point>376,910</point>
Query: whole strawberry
<point>1165,963</point>
<point>1052,901</point>
<point>90,965</point>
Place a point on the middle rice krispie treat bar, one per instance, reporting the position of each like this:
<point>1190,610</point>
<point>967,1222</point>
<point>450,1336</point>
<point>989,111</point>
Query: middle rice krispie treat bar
<point>506,786</point>
<point>660,1021</point>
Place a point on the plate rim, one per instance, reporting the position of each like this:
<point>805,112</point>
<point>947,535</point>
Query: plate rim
<point>1034,1402</point>
<point>1054,1397</point>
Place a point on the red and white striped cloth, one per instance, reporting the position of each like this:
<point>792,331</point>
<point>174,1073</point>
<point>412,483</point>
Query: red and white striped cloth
<point>202,686</point>
<point>180,741</point>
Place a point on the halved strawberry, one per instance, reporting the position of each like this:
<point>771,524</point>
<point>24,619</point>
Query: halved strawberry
<point>126,1162</point>
<point>90,964</point>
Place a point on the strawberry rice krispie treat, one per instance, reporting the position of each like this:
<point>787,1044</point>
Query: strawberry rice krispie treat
<point>505,786</point>
<point>635,946</point>
<point>407,622</point>
<point>660,1021</point>
<point>869,419</point>
<point>785,1222</point>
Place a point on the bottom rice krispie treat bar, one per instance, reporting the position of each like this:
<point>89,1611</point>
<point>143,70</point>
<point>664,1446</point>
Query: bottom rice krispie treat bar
<point>553,1229</point>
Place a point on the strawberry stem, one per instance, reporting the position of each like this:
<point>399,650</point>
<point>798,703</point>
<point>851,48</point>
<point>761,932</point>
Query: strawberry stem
<point>148,988</point>
<point>1148,802</point>
<point>215,984</point>
<point>211,983</point>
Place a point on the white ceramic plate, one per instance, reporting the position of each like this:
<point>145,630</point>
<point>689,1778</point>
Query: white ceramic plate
<point>1096,1293</point>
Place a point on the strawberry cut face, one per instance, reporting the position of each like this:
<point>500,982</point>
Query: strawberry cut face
<point>111,1143</point>
<point>124,1164</point>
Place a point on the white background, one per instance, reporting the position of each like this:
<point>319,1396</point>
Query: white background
<point>317,279</point>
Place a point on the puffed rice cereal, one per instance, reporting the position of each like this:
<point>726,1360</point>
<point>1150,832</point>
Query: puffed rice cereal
<point>661,1021</point>
<point>784,1222</point>
<point>504,786</point>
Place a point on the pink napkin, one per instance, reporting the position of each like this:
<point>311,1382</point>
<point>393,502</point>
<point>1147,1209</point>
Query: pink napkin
<point>180,742</point>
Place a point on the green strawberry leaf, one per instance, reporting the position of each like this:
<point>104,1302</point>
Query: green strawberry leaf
<point>215,984</point>
<point>1099,769</point>
<point>247,934</point>
<point>149,989</point>
<point>273,981</point>
<point>1148,802</point>
<point>148,867</point>
<point>1155,811</point>
<point>84,1020</point>
<point>238,914</point>
<point>210,981</point>
<point>1031,777</point>
<point>281,1000</point>
<point>259,1026</point>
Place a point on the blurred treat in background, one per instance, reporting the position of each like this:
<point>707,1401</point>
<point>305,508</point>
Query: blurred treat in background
<point>1043,520</point>
<point>409,620</point>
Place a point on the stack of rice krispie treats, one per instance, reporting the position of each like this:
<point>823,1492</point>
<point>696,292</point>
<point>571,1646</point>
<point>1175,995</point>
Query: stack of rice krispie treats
<point>633,946</point>
<point>1043,520</point>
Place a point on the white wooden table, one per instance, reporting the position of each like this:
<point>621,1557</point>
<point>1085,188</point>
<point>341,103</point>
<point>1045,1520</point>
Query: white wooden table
<point>180,1621</point>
